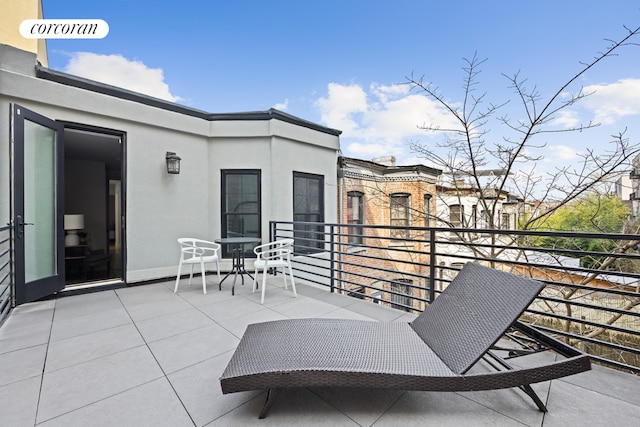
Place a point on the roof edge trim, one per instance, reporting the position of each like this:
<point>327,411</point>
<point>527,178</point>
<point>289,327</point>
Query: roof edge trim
<point>118,92</point>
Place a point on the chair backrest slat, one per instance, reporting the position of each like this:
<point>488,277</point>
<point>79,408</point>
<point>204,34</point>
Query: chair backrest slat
<point>473,312</point>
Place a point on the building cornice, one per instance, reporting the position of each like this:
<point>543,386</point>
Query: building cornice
<point>388,178</point>
<point>386,171</point>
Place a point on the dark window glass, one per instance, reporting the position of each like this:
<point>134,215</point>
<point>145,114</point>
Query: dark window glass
<point>401,298</point>
<point>308,206</point>
<point>399,204</point>
<point>355,215</point>
<point>456,215</point>
<point>241,206</point>
<point>428,210</point>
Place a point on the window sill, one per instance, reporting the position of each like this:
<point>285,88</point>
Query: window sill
<point>355,249</point>
<point>401,245</point>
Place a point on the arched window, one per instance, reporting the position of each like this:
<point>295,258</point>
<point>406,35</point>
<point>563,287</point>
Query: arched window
<point>428,210</point>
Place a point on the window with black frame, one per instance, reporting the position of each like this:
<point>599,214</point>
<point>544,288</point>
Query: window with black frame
<point>428,210</point>
<point>308,206</point>
<point>241,206</point>
<point>456,216</point>
<point>401,296</point>
<point>355,215</point>
<point>400,215</point>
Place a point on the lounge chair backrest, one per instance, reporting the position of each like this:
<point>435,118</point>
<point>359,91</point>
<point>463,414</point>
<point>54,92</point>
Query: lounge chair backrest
<point>473,312</point>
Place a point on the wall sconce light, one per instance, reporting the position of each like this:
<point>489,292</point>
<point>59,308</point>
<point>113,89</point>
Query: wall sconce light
<point>173,163</point>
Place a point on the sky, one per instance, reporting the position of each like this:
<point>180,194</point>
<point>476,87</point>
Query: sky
<point>345,63</point>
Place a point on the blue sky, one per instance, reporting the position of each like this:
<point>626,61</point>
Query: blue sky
<point>344,63</point>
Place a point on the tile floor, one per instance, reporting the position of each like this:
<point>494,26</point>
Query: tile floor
<point>144,356</point>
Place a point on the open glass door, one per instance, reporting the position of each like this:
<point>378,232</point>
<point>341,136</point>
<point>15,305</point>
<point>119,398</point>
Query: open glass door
<point>37,205</point>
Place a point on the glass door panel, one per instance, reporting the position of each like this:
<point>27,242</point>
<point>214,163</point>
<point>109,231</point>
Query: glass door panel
<point>39,201</point>
<point>37,205</point>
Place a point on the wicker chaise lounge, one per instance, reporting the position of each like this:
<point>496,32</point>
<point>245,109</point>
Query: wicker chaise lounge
<point>432,353</point>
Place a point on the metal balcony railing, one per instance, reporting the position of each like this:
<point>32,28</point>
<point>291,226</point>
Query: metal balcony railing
<point>5,272</point>
<point>591,299</point>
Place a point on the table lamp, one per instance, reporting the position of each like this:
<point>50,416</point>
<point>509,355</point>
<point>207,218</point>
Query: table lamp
<point>73,223</point>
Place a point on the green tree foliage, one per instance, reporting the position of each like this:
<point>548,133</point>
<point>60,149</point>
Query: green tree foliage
<point>594,213</point>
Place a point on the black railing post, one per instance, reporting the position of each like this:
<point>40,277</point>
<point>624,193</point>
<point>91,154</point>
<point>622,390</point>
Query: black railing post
<point>432,265</point>
<point>332,258</point>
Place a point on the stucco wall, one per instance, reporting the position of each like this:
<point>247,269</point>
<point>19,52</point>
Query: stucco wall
<point>162,207</point>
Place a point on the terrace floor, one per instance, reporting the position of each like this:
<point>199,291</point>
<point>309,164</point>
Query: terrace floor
<point>144,356</point>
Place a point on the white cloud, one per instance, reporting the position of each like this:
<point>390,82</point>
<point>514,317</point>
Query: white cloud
<point>377,121</point>
<point>119,71</point>
<point>339,107</point>
<point>611,102</point>
<point>561,152</point>
<point>567,119</point>
<point>373,149</point>
<point>282,106</point>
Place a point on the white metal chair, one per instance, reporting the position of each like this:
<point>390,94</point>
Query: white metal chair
<point>275,254</point>
<point>197,251</point>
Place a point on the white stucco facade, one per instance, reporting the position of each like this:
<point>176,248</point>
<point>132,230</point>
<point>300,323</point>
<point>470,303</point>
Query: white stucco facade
<point>160,207</point>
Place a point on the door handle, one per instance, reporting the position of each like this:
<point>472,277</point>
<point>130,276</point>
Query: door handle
<point>20,226</point>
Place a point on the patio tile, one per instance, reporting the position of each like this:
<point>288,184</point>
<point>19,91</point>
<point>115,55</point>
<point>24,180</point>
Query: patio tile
<point>68,389</point>
<point>275,294</point>
<point>362,406</point>
<point>194,296</point>
<point>610,382</point>
<point>21,364</point>
<point>85,323</point>
<point>156,301</point>
<point>161,408</point>
<point>74,306</point>
<point>406,317</point>
<point>569,403</point>
<point>87,347</point>
<point>382,313</point>
<point>512,403</point>
<point>232,308</point>
<point>19,402</point>
<point>334,298</point>
<point>343,313</point>
<point>192,347</point>
<point>309,289</point>
<point>420,408</point>
<point>28,326</point>
<point>172,324</point>
<point>21,338</point>
<point>238,325</point>
<point>308,308</point>
<point>27,316</point>
<point>199,389</point>
<point>294,407</point>
<point>196,284</point>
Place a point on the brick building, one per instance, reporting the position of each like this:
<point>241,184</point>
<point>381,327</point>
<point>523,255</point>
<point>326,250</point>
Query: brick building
<point>380,193</point>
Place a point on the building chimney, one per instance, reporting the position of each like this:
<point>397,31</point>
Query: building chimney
<point>385,160</point>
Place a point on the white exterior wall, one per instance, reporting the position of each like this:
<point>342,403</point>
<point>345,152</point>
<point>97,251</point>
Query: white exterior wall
<point>162,207</point>
<point>442,208</point>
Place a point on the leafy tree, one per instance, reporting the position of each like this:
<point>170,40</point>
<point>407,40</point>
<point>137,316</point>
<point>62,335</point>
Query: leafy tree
<point>595,214</point>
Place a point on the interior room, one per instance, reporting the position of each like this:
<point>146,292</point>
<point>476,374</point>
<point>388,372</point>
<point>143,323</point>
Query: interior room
<point>93,206</point>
